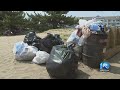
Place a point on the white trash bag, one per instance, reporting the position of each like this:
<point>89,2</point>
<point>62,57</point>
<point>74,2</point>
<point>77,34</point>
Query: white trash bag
<point>82,22</point>
<point>22,51</point>
<point>41,57</point>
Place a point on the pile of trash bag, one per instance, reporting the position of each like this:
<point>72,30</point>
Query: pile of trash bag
<point>43,44</point>
<point>96,26</point>
<point>34,48</point>
<point>62,62</point>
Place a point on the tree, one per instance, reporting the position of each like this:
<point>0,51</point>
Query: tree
<point>59,19</point>
<point>50,20</point>
<point>38,22</point>
<point>13,21</point>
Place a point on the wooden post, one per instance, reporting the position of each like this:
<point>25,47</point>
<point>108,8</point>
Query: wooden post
<point>119,36</point>
<point>111,38</point>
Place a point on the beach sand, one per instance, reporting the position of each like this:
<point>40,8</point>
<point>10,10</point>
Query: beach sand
<point>12,69</point>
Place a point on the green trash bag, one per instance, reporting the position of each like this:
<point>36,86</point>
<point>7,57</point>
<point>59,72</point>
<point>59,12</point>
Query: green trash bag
<point>62,62</point>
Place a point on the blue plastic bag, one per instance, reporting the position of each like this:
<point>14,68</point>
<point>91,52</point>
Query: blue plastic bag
<point>94,27</point>
<point>18,47</point>
<point>23,51</point>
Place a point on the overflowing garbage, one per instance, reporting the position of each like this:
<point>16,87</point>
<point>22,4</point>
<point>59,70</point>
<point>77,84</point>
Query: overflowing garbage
<point>94,45</point>
<point>61,60</point>
<point>97,27</point>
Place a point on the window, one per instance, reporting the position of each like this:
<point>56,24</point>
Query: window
<point>113,20</point>
<point>117,20</point>
<point>113,24</point>
<point>109,20</point>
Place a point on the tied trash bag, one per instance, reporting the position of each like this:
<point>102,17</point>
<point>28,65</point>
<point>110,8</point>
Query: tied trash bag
<point>49,41</point>
<point>33,40</point>
<point>22,51</point>
<point>62,62</point>
<point>41,57</point>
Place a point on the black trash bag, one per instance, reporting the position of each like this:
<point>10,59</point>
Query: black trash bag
<point>8,33</point>
<point>29,38</point>
<point>37,42</point>
<point>77,49</point>
<point>33,40</point>
<point>62,63</point>
<point>49,41</point>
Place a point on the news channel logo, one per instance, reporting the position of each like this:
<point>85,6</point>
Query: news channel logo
<point>105,66</point>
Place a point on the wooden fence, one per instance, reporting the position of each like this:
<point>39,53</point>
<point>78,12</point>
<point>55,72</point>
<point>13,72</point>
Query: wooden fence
<point>113,44</point>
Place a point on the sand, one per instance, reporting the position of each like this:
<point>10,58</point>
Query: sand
<point>12,69</point>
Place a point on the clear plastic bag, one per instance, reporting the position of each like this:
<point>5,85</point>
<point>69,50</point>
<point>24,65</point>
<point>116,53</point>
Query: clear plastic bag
<point>22,51</point>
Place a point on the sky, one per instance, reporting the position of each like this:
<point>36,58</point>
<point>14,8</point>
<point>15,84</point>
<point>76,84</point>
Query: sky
<point>87,13</point>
